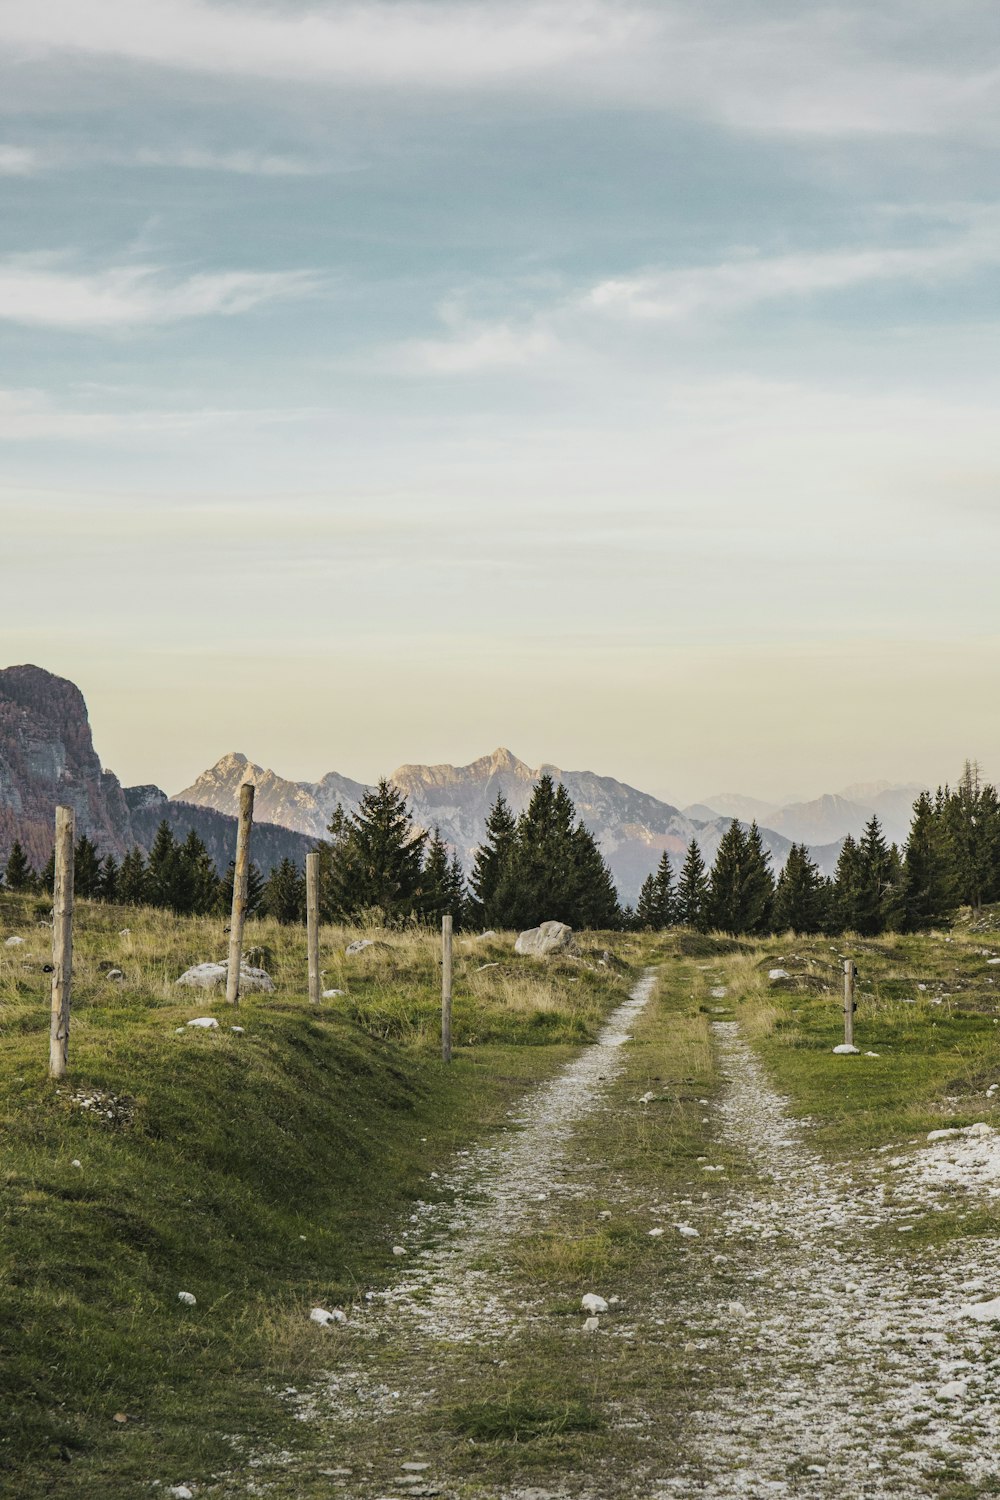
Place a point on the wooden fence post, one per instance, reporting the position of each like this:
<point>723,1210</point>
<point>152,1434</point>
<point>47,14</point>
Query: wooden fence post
<point>62,942</point>
<point>446,987</point>
<point>849,972</point>
<point>240,874</point>
<point>312,926</point>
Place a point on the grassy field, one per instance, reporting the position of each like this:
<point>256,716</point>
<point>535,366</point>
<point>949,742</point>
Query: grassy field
<point>261,1171</point>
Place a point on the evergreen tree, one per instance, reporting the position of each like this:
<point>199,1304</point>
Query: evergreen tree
<point>692,890</point>
<point>799,900</point>
<point>492,859</point>
<point>874,881</point>
<point>726,902</point>
<point>336,870</point>
<point>555,871</point>
<point>197,881</point>
<point>594,897</point>
<point>758,884</point>
<point>928,880</point>
<point>108,887</point>
<point>86,869</point>
<point>657,898</point>
<point>163,880</point>
<point>285,893</point>
<point>385,855</point>
<point>255,890</point>
<point>132,882</point>
<point>18,874</point>
<point>47,877</point>
<point>846,884</point>
<point>973,821</point>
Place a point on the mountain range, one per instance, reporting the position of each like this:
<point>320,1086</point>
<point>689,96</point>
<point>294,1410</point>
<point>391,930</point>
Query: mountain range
<point>47,756</point>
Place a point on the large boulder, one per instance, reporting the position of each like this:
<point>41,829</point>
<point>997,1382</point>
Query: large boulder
<point>550,937</point>
<point>211,976</point>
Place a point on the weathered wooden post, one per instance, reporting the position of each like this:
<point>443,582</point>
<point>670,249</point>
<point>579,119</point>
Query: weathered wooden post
<point>850,972</point>
<point>62,942</point>
<point>446,987</point>
<point>312,926</point>
<point>240,874</point>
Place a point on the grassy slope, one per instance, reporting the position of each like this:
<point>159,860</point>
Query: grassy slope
<point>261,1172</point>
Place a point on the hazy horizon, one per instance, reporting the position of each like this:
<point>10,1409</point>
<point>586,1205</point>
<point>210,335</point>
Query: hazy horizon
<point>617,382</point>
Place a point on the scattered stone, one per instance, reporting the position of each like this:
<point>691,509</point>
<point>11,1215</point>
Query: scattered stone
<point>953,1391</point>
<point>77,1163</point>
<point>324,1318</point>
<point>114,974</point>
<point>359,945</point>
<point>550,937</point>
<point>654,1234</point>
<point>333,994</point>
<point>205,1023</point>
<point>188,1298</point>
<point>414,1468</point>
<point>239,1030</point>
<point>487,966</point>
<point>592,1303</point>
<point>591,1325</point>
<point>180,1492</point>
<point>846,1050</point>
<point>719,992</point>
<point>125,932</point>
<point>399,1249</point>
<point>14,942</point>
<point>489,934</point>
<point>983,1312</point>
<point>776,974</point>
<point>687,1231</point>
<point>211,976</point>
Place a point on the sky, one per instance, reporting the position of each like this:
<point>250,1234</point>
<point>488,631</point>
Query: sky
<point>386,382</point>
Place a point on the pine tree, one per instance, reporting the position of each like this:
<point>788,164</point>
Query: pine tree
<point>726,907</point>
<point>285,893</point>
<point>223,899</point>
<point>555,871</point>
<point>47,876</point>
<point>337,880</point>
<point>492,859</point>
<point>133,889</point>
<point>197,881</point>
<point>799,900</point>
<point>657,898</point>
<point>86,869</point>
<point>162,873</point>
<point>18,874</point>
<point>595,902</point>
<point>692,890</point>
<point>973,821</point>
<point>928,882</point>
<point>758,884</point>
<point>846,887</point>
<point>874,881</point>
<point>108,886</point>
<point>386,855</point>
<point>435,882</point>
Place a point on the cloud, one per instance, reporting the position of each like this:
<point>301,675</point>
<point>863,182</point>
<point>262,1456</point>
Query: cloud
<point>243,162</point>
<point>32,415</point>
<point>417,41</point>
<point>476,347</point>
<point>731,285</point>
<point>38,291</point>
<point>18,161</point>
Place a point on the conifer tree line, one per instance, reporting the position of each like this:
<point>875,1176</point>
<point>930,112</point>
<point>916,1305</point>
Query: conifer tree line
<point>545,865</point>
<point>951,859</point>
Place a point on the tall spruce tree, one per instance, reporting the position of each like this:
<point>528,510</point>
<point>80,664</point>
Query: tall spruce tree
<point>385,854</point>
<point>726,907</point>
<point>255,890</point>
<point>973,820</point>
<point>692,890</point>
<point>133,887</point>
<point>442,884</point>
<point>800,895</point>
<point>846,887</point>
<point>337,883</point>
<point>555,871</point>
<point>492,859</point>
<point>18,874</point>
<point>110,872</point>
<point>86,869</point>
<point>758,884</point>
<point>595,899</point>
<point>928,879</point>
<point>874,883</point>
<point>284,896</point>
<point>657,898</point>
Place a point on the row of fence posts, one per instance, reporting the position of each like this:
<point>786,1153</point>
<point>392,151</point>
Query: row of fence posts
<point>62,933</point>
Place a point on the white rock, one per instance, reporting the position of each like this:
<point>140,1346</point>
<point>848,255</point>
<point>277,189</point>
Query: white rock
<point>687,1231</point>
<point>592,1303</point>
<point>774,974</point>
<point>125,932</point>
<point>324,1318</point>
<point>953,1391</point>
<point>846,1050</point>
<point>654,1234</point>
<point>873,1054</point>
<point>188,1298</point>
<point>993,960</point>
<point>180,1492</point>
<point>76,1163</point>
<point>550,937</point>
<point>719,992</point>
<point>211,976</point>
<point>414,1468</point>
<point>239,1030</point>
<point>646,1098</point>
<point>983,1312</point>
<point>736,1310</point>
<point>333,994</point>
<point>359,945</point>
<point>489,934</point>
<point>591,1325</point>
<point>206,1023</point>
<point>14,942</point>
<point>399,1250</point>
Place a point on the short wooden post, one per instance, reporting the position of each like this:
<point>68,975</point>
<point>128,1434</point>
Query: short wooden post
<point>62,942</point>
<point>446,987</point>
<point>240,873</point>
<point>312,926</point>
<point>849,974</point>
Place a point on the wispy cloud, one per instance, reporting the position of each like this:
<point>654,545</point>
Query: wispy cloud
<point>40,290</point>
<point>247,162</point>
<point>18,161</point>
<point>33,415</point>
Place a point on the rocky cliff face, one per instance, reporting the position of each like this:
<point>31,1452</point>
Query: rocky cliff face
<point>632,828</point>
<point>47,757</point>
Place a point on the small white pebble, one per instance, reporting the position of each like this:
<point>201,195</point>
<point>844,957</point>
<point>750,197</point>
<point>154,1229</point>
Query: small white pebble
<point>592,1303</point>
<point>654,1234</point>
<point>180,1492</point>
<point>76,1163</point>
<point>687,1231</point>
<point>591,1325</point>
<point>188,1298</point>
<point>398,1250</point>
